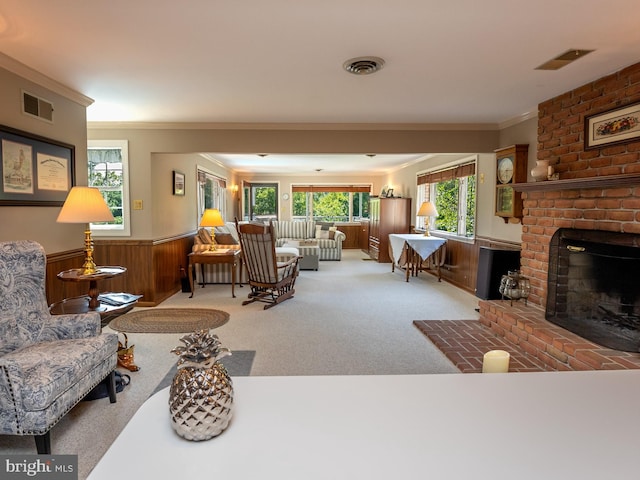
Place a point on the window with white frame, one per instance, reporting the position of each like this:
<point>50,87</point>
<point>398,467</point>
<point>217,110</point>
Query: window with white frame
<point>108,168</point>
<point>453,191</point>
<point>330,203</point>
<point>212,193</point>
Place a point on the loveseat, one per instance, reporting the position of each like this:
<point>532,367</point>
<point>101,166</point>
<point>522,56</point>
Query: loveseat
<point>329,238</point>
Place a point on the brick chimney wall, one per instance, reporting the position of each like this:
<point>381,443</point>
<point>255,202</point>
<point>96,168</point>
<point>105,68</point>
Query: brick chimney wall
<point>561,140</point>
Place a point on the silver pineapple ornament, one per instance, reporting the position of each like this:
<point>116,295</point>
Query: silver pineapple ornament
<point>201,394</point>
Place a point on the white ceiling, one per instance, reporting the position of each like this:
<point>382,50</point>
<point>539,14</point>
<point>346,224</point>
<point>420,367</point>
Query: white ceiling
<point>280,61</point>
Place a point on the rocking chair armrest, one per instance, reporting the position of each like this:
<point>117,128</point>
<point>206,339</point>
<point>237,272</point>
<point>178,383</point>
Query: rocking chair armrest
<point>291,261</point>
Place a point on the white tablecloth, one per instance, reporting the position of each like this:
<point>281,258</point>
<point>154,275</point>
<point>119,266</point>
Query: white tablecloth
<point>424,246</point>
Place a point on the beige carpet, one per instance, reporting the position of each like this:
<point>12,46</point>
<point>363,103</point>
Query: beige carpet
<point>170,320</point>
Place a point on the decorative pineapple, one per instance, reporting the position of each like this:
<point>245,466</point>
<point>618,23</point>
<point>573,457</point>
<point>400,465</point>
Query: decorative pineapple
<point>201,394</point>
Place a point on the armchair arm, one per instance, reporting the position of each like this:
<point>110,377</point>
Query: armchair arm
<point>81,325</point>
<point>339,236</point>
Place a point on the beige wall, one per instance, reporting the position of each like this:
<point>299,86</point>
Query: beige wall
<point>151,165</point>
<point>69,126</point>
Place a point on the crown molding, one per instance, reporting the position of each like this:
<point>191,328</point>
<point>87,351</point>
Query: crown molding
<point>294,126</point>
<point>34,76</point>
<point>533,113</point>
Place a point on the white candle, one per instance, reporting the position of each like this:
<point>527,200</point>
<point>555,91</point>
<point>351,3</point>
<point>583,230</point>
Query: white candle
<point>495,361</point>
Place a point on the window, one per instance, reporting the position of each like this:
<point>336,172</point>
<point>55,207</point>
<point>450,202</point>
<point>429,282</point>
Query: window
<point>108,165</point>
<point>260,201</point>
<point>212,193</point>
<point>331,203</point>
<point>453,190</point>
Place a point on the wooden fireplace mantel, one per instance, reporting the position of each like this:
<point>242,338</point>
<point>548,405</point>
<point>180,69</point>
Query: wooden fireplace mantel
<point>608,181</point>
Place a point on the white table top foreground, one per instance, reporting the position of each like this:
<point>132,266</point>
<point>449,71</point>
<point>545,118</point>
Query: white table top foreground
<point>569,425</point>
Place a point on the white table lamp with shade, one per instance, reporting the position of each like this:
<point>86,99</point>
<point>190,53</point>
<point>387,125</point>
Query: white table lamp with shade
<point>427,210</point>
<point>85,205</point>
<point>212,218</point>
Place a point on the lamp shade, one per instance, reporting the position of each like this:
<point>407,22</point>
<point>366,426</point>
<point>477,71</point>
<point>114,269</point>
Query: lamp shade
<point>427,209</point>
<point>84,205</point>
<point>211,218</point>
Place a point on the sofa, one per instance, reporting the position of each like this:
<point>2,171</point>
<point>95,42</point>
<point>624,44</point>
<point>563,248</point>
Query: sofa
<point>329,238</point>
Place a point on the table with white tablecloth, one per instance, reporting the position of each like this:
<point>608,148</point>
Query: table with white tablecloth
<point>410,251</point>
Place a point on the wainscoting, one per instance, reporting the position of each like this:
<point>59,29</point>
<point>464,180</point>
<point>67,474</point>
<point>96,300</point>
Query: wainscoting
<point>461,262</point>
<point>153,268</point>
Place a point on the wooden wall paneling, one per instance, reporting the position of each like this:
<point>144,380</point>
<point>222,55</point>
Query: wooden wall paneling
<point>353,235</point>
<point>169,256</point>
<point>56,289</point>
<point>135,256</point>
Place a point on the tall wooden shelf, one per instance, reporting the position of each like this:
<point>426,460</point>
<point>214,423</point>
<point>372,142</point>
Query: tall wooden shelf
<point>387,215</point>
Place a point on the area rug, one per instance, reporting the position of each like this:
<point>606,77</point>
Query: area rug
<point>169,320</point>
<point>238,364</point>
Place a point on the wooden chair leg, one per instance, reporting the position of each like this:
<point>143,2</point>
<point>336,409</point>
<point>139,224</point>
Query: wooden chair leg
<point>43,443</point>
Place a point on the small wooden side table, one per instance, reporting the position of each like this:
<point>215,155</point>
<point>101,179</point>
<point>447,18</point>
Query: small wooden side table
<point>102,273</point>
<point>91,302</point>
<point>231,257</point>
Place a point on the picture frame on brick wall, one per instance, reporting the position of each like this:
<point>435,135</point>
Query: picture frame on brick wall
<point>619,125</point>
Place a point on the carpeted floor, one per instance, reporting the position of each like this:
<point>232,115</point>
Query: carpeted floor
<point>238,364</point>
<point>351,317</point>
<point>465,342</point>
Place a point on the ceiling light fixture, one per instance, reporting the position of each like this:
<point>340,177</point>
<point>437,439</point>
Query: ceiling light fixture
<point>363,65</point>
<point>563,59</point>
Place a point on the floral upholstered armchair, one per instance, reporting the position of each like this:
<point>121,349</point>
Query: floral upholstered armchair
<point>48,363</point>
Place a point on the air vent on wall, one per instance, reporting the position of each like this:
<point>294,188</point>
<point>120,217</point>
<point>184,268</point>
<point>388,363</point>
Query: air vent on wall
<point>37,107</point>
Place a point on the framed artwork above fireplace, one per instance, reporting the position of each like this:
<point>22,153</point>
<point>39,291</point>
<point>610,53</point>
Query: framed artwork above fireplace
<point>620,125</point>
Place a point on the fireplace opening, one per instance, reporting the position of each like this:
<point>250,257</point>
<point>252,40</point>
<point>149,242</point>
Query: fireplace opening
<point>593,287</point>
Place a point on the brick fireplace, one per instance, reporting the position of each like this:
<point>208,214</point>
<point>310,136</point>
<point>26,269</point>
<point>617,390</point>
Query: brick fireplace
<point>598,189</point>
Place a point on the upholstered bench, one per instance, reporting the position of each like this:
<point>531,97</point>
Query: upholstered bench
<point>309,251</point>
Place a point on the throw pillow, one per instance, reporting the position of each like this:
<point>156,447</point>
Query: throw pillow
<point>205,236</point>
<point>225,239</point>
<point>325,225</point>
<point>329,233</point>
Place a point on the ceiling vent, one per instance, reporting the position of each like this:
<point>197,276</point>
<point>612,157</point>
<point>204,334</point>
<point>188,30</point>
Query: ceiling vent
<point>37,107</point>
<point>363,65</point>
<point>564,59</point>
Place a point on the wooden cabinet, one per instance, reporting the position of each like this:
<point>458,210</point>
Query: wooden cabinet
<point>387,215</point>
<point>364,235</point>
<point>352,231</point>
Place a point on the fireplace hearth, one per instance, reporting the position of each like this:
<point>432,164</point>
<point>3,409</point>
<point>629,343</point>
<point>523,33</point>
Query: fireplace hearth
<point>593,286</point>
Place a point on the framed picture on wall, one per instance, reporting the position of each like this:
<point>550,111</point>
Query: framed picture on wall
<point>178,183</point>
<point>34,170</point>
<point>620,125</point>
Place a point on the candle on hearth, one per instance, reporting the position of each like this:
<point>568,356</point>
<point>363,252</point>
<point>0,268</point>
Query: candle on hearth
<point>495,361</point>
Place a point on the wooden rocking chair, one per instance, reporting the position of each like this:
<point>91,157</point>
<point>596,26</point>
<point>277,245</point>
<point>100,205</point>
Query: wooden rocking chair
<point>271,281</point>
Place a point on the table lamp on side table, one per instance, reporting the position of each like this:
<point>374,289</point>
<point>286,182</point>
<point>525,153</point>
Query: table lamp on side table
<point>427,210</point>
<point>212,218</point>
<point>85,205</point>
